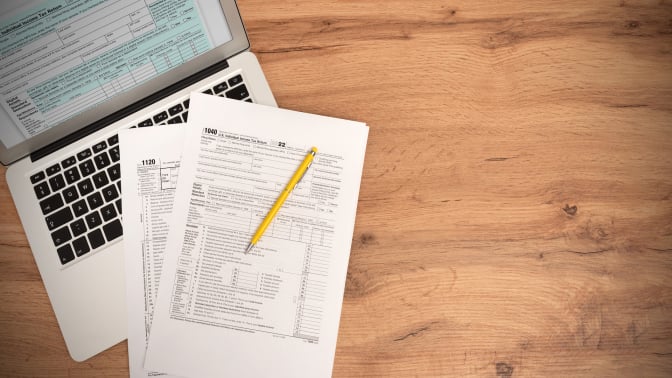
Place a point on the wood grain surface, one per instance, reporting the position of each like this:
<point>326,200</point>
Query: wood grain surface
<point>515,213</point>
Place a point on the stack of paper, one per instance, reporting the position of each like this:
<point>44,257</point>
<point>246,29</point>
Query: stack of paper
<point>194,194</point>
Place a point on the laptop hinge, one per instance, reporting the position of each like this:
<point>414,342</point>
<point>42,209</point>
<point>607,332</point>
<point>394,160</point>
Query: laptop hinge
<point>110,119</point>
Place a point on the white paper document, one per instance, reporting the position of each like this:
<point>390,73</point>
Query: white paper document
<point>274,311</point>
<point>149,178</point>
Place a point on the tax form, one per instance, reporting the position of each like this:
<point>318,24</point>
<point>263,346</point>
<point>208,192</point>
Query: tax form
<point>62,57</point>
<point>149,179</point>
<point>273,311</point>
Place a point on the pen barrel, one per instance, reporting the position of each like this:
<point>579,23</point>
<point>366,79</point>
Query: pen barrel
<point>271,214</point>
<point>296,177</point>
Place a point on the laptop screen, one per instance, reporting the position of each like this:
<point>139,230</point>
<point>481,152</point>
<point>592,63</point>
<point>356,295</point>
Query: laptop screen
<point>62,57</point>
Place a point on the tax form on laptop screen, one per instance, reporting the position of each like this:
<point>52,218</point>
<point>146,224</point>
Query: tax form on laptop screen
<point>61,58</point>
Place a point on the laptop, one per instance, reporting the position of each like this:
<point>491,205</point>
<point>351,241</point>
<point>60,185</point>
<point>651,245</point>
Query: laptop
<point>74,73</point>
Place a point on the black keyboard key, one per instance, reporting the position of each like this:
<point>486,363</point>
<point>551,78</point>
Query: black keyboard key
<point>68,162</point>
<point>186,104</point>
<point>100,179</point>
<point>175,109</point>
<point>114,139</point>
<point>59,218</point>
<point>220,87</point>
<point>238,93</point>
<point>102,160</point>
<point>184,116</point>
<point>93,220</point>
<point>85,187</point>
<point>108,212</point>
<point>61,236</point>
<point>114,153</point>
<point>95,200</point>
<point>53,169</point>
<point>81,246</point>
<point>80,208</point>
<point>96,238</point>
<point>114,172</point>
<point>99,146</point>
<point>57,183</point>
<point>42,190</point>
<point>235,80</point>
<point>65,254</point>
<point>119,186</point>
<point>39,176</point>
<point>84,154</point>
<point>87,168</point>
<point>70,194</point>
<point>160,117</point>
<point>174,120</point>
<point>51,203</point>
<point>78,227</point>
<point>110,193</point>
<point>71,175</point>
<point>208,91</point>
<point>113,230</point>
<point>146,123</point>
<point>118,203</point>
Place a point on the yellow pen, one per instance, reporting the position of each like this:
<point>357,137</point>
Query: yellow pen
<point>298,175</point>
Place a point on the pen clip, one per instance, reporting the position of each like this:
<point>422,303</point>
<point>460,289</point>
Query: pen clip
<point>304,173</point>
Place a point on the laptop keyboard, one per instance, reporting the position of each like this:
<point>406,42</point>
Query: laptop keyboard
<point>80,197</point>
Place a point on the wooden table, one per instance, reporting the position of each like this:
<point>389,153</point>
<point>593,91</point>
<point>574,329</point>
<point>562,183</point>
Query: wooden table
<point>515,213</point>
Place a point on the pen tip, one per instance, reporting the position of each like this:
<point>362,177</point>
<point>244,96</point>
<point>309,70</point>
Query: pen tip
<point>313,150</point>
<point>249,248</point>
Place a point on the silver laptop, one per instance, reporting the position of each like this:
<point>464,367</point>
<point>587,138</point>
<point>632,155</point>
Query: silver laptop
<point>74,73</point>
